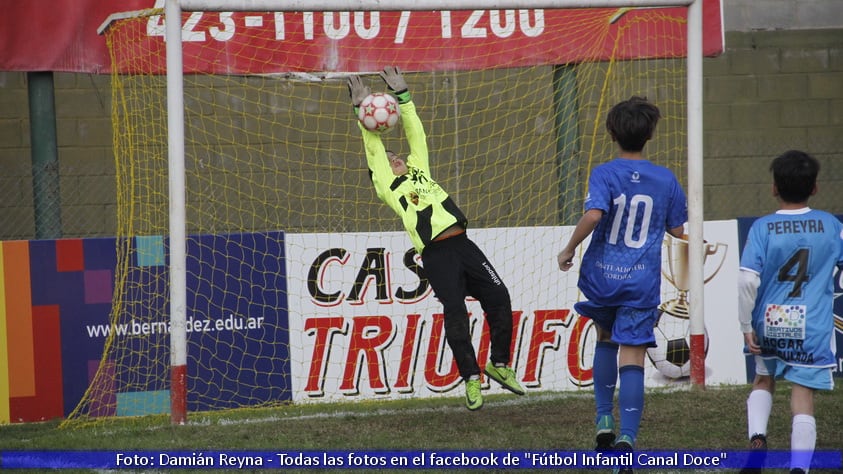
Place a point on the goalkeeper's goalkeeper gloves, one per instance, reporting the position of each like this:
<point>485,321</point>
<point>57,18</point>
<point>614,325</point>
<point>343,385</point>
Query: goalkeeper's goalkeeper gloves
<point>396,83</point>
<point>357,90</point>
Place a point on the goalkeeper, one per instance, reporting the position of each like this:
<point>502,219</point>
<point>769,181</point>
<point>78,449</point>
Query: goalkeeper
<point>453,264</point>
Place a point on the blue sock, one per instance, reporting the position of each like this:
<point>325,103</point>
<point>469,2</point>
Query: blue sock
<point>631,399</point>
<point>605,376</point>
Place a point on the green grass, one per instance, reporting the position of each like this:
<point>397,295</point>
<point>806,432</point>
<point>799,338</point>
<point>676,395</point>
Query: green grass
<point>710,419</point>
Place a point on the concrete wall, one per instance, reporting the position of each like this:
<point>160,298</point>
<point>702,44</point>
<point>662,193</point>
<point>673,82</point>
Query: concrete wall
<point>83,128</point>
<point>771,90</point>
<point>751,15</point>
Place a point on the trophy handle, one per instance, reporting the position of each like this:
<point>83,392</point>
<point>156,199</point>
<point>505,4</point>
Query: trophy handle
<point>711,249</point>
<point>667,275</point>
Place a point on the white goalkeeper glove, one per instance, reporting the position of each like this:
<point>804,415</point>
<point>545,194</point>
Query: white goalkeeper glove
<point>396,83</point>
<point>357,90</point>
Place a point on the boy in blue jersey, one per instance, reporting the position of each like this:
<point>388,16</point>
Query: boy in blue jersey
<point>785,304</point>
<point>453,264</point>
<point>631,203</point>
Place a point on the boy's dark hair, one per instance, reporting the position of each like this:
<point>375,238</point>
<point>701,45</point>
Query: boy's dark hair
<point>795,175</point>
<point>632,122</point>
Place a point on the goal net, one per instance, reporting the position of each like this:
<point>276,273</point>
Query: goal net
<point>300,285</point>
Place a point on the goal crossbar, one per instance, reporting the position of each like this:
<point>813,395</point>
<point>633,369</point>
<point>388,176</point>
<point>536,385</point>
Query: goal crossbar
<point>418,5</point>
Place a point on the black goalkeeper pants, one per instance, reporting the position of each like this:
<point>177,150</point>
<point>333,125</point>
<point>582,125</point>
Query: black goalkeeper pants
<point>457,268</point>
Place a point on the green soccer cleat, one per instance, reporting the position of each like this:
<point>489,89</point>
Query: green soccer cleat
<point>473,397</point>
<point>605,438</point>
<point>504,376</point>
<point>624,445</point>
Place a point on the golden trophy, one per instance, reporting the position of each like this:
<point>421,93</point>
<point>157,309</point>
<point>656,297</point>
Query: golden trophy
<point>677,271</point>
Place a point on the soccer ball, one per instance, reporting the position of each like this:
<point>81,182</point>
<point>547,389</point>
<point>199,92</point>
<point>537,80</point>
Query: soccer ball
<point>672,355</point>
<point>378,112</point>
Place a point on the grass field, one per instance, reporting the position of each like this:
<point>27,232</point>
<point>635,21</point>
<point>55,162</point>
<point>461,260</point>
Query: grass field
<point>710,419</point>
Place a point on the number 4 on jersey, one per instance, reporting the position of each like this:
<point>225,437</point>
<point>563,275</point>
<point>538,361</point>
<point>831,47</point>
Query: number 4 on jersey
<point>796,271</point>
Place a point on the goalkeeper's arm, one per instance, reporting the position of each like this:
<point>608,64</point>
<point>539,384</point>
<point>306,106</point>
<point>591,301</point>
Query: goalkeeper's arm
<point>376,159</point>
<point>413,128</point>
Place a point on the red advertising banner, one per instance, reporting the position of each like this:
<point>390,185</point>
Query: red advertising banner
<point>61,35</point>
<point>57,35</point>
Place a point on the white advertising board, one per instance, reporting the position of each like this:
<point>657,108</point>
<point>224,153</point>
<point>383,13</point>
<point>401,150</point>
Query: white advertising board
<point>363,324</point>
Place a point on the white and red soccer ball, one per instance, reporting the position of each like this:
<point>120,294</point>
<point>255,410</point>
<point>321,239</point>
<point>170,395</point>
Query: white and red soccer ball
<point>378,112</point>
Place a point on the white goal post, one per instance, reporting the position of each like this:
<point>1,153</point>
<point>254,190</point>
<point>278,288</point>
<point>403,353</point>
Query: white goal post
<point>176,144</point>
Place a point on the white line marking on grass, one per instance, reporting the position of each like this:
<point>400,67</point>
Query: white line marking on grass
<point>199,419</point>
<point>508,402</point>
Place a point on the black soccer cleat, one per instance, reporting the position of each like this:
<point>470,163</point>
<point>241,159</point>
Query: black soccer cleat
<point>758,452</point>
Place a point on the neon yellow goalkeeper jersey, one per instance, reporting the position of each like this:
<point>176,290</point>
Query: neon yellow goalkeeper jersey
<point>424,207</point>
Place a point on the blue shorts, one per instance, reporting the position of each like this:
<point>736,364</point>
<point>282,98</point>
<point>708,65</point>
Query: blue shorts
<point>817,378</point>
<point>628,326</point>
